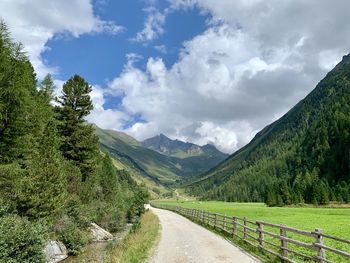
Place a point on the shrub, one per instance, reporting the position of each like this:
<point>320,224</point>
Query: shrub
<point>70,234</point>
<point>21,241</point>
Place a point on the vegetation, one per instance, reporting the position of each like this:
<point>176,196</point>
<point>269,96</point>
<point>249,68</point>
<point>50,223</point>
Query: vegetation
<point>21,240</point>
<point>52,172</point>
<point>161,168</point>
<point>302,157</point>
<point>136,247</point>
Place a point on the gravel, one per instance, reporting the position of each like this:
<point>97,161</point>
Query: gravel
<point>183,241</point>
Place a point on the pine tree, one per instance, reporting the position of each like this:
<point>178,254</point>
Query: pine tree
<point>44,188</point>
<point>47,89</point>
<point>17,101</point>
<point>79,143</point>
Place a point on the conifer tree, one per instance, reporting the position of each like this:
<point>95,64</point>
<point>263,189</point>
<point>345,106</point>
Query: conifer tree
<point>79,143</point>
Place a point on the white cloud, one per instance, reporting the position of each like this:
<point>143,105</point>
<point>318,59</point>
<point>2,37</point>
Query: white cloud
<point>256,60</point>
<point>153,26</point>
<point>35,22</point>
<point>104,118</point>
<point>202,97</point>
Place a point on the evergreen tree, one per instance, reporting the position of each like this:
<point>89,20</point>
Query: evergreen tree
<point>79,143</point>
<point>47,89</point>
<point>44,187</point>
<point>17,101</point>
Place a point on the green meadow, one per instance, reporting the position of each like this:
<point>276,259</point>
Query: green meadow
<point>333,221</point>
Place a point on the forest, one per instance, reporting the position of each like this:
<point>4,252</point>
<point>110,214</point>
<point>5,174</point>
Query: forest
<point>304,157</point>
<point>54,179</point>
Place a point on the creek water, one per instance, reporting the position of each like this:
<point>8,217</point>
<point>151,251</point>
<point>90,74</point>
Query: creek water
<point>97,252</point>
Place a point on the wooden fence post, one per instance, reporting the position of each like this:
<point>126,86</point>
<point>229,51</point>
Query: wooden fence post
<point>208,218</point>
<point>216,219</point>
<point>319,240</point>
<point>261,234</point>
<point>234,226</point>
<point>284,243</point>
<point>224,223</point>
<point>244,228</point>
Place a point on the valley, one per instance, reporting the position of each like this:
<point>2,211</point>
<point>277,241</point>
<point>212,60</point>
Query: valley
<point>153,167</point>
<point>177,131</point>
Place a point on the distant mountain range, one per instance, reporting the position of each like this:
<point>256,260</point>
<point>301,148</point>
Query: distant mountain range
<point>302,157</point>
<point>180,149</point>
<point>159,160</point>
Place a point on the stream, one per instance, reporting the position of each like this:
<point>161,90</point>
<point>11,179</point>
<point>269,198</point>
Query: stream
<point>97,251</point>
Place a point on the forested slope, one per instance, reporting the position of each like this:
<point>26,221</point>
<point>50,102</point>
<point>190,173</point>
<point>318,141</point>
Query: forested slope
<point>302,157</point>
<point>54,180</point>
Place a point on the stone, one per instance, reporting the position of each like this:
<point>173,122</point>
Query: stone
<point>55,251</point>
<point>99,234</point>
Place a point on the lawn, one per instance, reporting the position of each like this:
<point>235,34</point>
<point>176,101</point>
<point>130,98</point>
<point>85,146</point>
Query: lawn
<point>333,221</point>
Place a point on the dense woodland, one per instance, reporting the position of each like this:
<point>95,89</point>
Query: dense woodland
<point>304,157</point>
<point>54,180</point>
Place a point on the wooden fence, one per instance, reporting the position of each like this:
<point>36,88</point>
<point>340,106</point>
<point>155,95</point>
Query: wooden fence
<point>287,243</point>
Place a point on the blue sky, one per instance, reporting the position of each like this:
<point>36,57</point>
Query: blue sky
<point>202,71</point>
<point>100,57</point>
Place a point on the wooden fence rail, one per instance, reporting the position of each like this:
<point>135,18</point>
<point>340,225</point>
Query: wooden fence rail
<point>263,235</point>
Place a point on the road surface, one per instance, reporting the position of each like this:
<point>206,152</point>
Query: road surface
<point>183,241</point>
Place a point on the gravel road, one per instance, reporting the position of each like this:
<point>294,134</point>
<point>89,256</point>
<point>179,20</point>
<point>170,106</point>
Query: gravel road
<point>183,241</point>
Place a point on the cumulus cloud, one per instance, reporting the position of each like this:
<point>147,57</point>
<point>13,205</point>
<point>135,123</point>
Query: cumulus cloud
<point>35,22</point>
<point>256,60</point>
<point>106,118</point>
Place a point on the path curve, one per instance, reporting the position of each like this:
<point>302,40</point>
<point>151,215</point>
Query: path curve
<point>183,241</point>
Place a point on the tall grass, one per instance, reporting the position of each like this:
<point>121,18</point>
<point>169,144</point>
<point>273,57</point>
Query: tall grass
<point>136,247</point>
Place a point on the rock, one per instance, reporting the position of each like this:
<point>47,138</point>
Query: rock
<point>99,234</point>
<point>55,251</point>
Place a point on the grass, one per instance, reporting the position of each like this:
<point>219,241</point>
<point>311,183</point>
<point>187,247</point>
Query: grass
<point>333,221</point>
<point>136,247</point>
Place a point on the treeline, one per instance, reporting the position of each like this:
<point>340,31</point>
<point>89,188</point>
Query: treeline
<point>304,157</point>
<point>54,180</point>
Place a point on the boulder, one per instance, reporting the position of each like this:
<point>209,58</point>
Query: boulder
<point>99,234</point>
<point>55,251</point>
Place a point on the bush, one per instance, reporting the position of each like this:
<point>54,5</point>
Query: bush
<point>70,234</point>
<point>21,241</point>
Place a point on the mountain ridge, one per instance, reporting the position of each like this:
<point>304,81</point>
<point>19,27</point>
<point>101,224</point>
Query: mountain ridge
<point>176,148</point>
<point>160,168</point>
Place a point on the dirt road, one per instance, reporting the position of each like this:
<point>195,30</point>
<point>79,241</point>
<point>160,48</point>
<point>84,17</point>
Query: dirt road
<point>183,241</point>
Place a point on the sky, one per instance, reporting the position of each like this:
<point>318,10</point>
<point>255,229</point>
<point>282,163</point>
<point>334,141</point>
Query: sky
<point>201,71</point>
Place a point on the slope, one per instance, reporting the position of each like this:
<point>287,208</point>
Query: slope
<point>302,157</point>
<point>147,162</point>
<point>157,167</point>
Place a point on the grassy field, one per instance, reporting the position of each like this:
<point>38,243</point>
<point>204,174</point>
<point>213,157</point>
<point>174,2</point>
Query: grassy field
<point>136,247</point>
<point>333,221</point>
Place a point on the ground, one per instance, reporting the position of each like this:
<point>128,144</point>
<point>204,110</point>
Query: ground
<point>186,242</point>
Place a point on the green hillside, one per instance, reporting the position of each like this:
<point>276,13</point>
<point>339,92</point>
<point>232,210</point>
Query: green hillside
<point>302,157</point>
<point>159,168</point>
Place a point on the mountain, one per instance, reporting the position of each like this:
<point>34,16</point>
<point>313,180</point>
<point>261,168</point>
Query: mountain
<point>302,157</point>
<point>159,168</point>
<point>176,148</point>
